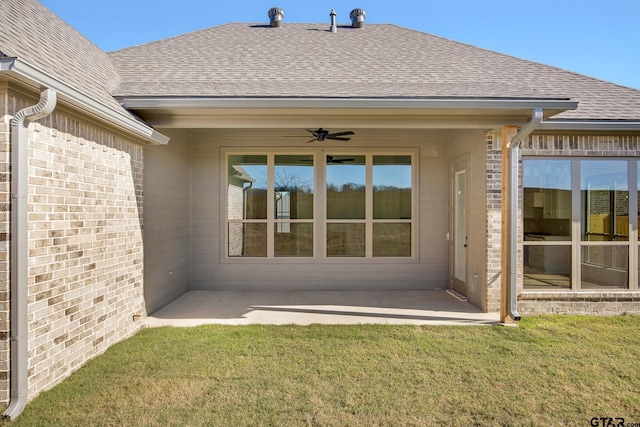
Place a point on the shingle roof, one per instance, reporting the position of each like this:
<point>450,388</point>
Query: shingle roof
<point>377,61</point>
<point>32,33</point>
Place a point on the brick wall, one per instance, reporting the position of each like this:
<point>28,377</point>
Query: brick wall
<point>85,243</point>
<point>494,224</point>
<point>5,207</point>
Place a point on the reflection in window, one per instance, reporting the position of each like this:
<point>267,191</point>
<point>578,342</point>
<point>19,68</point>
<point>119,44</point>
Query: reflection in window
<point>547,267</point>
<point>605,267</point>
<point>345,240</point>
<point>604,200</point>
<point>369,206</point>
<point>297,241</point>
<point>600,251</point>
<point>293,183</point>
<point>392,187</point>
<point>546,199</point>
<point>248,239</point>
<point>247,191</point>
<point>247,200</point>
<point>346,179</point>
<point>391,239</point>
<point>289,181</point>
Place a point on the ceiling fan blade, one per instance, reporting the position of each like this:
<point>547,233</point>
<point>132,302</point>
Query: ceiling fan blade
<point>338,138</point>
<point>341,133</point>
<point>312,140</point>
<point>331,159</point>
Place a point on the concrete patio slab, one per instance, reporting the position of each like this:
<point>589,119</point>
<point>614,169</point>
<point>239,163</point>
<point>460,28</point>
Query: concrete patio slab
<point>319,307</point>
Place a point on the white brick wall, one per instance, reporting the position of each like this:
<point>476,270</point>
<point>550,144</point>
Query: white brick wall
<point>5,207</point>
<point>85,245</point>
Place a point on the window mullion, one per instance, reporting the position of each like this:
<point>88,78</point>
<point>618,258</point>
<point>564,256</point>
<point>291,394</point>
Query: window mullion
<point>633,225</point>
<point>320,211</point>
<point>368,206</point>
<point>576,236</point>
<point>271,206</point>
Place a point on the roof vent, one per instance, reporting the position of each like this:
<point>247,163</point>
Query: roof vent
<point>334,27</point>
<point>276,15</point>
<point>357,18</point>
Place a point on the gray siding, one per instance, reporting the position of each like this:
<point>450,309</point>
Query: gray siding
<point>473,145</point>
<point>166,221</point>
<point>209,269</point>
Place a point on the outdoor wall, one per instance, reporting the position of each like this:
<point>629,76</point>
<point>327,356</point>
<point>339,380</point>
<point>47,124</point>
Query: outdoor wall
<point>472,145</point>
<point>210,269</point>
<point>166,220</point>
<point>85,278</point>
<point>493,218</point>
<point>582,301</point>
<point>5,226</point>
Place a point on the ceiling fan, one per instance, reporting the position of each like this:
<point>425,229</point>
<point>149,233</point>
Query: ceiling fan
<point>331,159</point>
<point>323,134</point>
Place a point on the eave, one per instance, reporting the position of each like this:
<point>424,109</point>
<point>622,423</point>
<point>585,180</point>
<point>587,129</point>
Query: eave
<point>26,74</point>
<point>590,125</point>
<point>408,113</point>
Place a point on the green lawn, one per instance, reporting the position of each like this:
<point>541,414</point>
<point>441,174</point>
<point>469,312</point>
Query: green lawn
<point>549,371</point>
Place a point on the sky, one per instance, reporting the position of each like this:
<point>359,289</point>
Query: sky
<point>598,38</point>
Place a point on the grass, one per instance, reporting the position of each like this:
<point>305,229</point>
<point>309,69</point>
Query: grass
<point>550,371</point>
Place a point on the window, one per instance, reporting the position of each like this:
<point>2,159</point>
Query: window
<point>376,210</point>
<point>366,210</point>
<point>270,205</point>
<point>577,223</point>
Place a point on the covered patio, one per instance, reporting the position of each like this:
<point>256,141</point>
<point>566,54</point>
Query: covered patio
<point>393,307</point>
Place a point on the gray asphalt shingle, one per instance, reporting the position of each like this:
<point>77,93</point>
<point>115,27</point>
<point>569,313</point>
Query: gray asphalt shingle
<point>31,32</point>
<point>377,61</point>
<point>297,60</point>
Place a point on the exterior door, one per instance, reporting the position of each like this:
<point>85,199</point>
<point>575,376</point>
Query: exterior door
<point>459,220</point>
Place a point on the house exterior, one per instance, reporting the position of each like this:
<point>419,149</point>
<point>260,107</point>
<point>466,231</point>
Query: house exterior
<point>295,156</point>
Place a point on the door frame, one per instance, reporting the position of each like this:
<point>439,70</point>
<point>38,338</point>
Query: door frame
<point>459,164</point>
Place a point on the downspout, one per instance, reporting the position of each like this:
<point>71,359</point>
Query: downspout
<point>514,155</point>
<point>19,249</point>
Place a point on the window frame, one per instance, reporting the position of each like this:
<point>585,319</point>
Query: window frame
<point>576,241</point>
<point>319,220</point>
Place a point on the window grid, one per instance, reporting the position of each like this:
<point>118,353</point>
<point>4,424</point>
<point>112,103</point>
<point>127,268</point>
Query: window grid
<point>622,256</point>
<point>319,222</point>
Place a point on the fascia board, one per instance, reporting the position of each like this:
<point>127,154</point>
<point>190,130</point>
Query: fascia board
<point>14,66</point>
<point>590,125</point>
<point>134,103</point>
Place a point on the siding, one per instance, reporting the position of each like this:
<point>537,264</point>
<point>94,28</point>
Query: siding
<point>209,270</point>
<point>166,219</point>
<point>473,145</point>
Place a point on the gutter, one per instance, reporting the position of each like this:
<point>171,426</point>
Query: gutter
<point>590,125</point>
<point>514,155</point>
<point>162,102</point>
<point>19,353</point>
<point>78,99</point>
